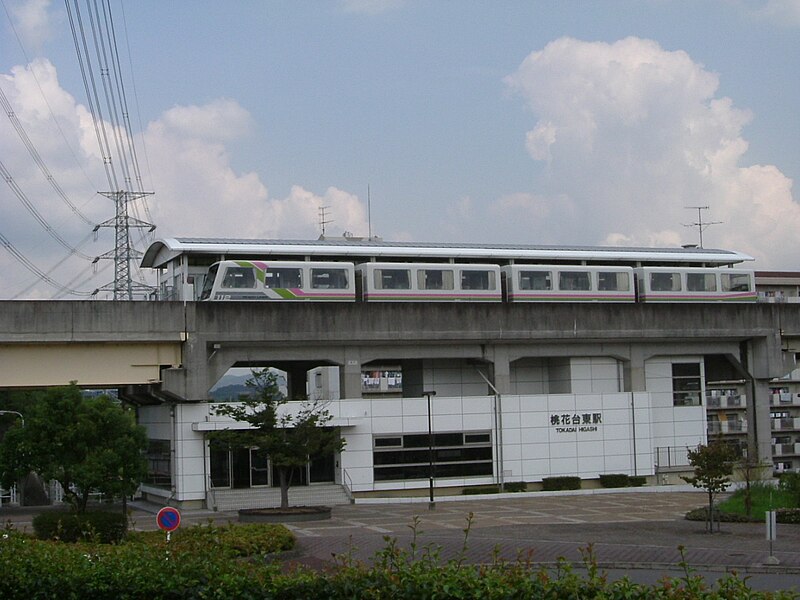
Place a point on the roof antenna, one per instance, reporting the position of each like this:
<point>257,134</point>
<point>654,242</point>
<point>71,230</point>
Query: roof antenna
<point>323,219</point>
<point>701,226</point>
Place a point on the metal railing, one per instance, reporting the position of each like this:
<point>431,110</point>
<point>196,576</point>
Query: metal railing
<point>668,457</point>
<point>347,484</point>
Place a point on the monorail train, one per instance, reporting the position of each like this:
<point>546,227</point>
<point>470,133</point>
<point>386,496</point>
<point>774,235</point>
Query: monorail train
<point>341,281</point>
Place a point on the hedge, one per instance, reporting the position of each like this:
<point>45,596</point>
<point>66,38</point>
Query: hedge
<point>102,526</point>
<point>552,484</point>
<point>614,480</point>
<point>34,569</point>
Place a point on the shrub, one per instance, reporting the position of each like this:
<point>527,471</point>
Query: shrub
<point>790,482</point>
<point>788,515</point>
<point>480,489</point>
<point>701,514</point>
<point>552,484</point>
<point>101,526</point>
<point>637,480</point>
<point>231,541</point>
<point>516,486</point>
<point>614,480</point>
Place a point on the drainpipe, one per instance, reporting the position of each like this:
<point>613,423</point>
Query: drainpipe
<point>498,423</point>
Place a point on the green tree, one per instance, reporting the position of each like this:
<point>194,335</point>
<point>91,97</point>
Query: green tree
<point>86,444</point>
<point>287,435</point>
<point>713,466</point>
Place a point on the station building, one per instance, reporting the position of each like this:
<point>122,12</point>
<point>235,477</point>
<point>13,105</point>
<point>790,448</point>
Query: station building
<point>469,395</point>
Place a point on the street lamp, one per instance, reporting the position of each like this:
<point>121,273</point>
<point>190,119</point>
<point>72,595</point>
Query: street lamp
<point>431,503</point>
<point>14,412</point>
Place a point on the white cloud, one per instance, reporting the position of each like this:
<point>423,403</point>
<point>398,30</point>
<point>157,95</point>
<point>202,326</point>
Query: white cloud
<point>31,20</point>
<point>198,190</point>
<point>632,134</point>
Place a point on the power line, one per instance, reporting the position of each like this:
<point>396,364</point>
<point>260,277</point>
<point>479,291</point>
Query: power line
<point>101,28</point>
<point>36,215</point>
<point>23,260</point>
<point>37,158</point>
<point>44,97</point>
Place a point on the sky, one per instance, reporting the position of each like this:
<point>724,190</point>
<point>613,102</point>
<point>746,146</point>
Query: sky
<point>510,121</point>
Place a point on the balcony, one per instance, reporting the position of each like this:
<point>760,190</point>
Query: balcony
<point>717,427</point>
<point>785,449</point>
<point>786,424</point>
<point>720,399</point>
<point>784,399</point>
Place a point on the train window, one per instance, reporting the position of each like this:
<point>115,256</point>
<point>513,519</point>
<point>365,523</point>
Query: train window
<point>735,282</point>
<point>208,284</point>
<point>283,277</point>
<point>329,279</point>
<point>701,282</point>
<point>392,279</point>
<point>665,282</point>
<point>535,280</point>
<point>610,281</point>
<point>477,280</point>
<point>574,280</point>
<point>435,279</point>
<point>239,277</point>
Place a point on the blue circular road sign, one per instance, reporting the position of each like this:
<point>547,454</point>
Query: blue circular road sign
<point>168,518</point>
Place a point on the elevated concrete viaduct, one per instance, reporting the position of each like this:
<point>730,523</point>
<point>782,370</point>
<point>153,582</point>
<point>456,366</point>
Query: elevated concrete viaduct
<point>174,352</point>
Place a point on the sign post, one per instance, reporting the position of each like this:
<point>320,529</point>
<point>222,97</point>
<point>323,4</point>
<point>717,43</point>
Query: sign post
<point>772,535</point>
<point>168,519</point>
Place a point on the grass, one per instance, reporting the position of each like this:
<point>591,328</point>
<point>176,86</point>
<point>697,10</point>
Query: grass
<point>765,497</point>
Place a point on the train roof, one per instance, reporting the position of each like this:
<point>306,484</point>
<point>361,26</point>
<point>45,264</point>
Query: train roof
<point>165,250</point>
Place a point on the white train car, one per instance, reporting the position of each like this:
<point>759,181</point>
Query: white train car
<point>258,280</point>
<point>561,283</point>
<point>428,282</point>
<point>684,284</point>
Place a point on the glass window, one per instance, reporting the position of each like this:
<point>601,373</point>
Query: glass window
<point>283,277</point>
<point>159,463</point>
<point>665,282</point>
<point>220,467</point>
<point>392,279</point>
<point>574,281</point>
<point>208,284</point>
<point>455,454</point>
<point>735,282</point>
<point>239,277</point>
<point>435,279</point>
<point>259,467</point>
<point>535,280</point>
<point>477,280</point>
<point>609,281</point>
<point>701,282</point>
<point>686,384</point>
<point>329,279</point>
<point>388,442</point>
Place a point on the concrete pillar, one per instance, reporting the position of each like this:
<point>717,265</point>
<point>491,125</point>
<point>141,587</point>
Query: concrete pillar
<point>633,371</point>
<point>759,423</point>
<point>350,374</point>
<point>502,369</point>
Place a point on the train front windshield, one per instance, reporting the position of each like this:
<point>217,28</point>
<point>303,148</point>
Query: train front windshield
<point>208,284</point>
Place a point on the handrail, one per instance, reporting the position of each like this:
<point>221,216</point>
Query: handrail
<point>347,484</point>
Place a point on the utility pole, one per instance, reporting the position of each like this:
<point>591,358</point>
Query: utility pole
<point>123,286</point>
<point>701,226</point>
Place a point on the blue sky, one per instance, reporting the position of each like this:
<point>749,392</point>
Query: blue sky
<point>506,121</point>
